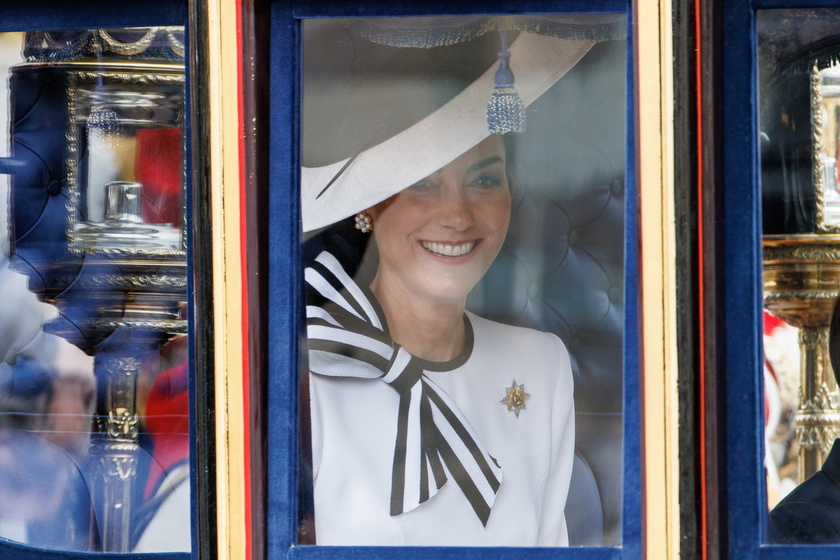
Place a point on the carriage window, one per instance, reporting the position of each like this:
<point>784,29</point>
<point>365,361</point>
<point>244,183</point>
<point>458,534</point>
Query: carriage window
<point>799,94</point>
<point>94,414</point>
<point>463,205</point>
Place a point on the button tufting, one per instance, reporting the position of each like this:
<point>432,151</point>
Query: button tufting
<point>54,187</point>
<point>617,186</point>
<point>573,237</point>
<point>615,295</point>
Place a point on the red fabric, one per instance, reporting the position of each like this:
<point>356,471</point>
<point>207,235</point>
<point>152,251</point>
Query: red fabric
<point>766,397</point>
<point>771,323</point>
<point>168,423</point>
<point>158,166</point>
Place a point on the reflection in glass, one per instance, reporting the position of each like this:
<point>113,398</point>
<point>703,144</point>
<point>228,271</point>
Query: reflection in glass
<point>129,143</point>
<point>371,86</point>
<point>46,408</point>
<point>797,61</point>
<point>94,413</point>
<point>825,102</point>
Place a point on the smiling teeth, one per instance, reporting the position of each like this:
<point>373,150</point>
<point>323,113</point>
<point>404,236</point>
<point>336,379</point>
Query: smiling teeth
<point>448,250</point>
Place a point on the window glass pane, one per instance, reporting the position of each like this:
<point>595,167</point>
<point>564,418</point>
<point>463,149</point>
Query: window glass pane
<point>94,413</point>
<point>463,212</point>
<point>799,120</point>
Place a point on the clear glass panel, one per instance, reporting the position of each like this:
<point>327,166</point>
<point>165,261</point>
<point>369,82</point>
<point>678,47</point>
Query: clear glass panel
<point>798,54</point>
<point>128,175</point>
<point>94,413</point>
<point>418,178</point>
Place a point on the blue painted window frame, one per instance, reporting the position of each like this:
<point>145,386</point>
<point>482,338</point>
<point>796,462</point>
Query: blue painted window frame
<point>94,14</point>
<point>285,284</point>
<point>746,498</point>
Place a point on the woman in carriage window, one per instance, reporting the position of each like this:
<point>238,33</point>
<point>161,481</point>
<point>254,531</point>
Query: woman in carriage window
<point>430,425</point>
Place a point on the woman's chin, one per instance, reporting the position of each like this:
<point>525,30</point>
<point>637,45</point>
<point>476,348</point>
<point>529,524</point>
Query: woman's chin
<point>451,288</point>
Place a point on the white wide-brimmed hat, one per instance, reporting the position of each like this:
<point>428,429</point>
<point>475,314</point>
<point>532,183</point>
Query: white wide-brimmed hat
<point>387,102</point>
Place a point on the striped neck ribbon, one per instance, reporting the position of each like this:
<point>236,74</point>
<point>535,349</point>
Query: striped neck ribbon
<point>348,337</point>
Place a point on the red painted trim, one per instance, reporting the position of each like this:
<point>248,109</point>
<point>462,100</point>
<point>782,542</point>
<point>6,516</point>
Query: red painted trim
<point>701,346</point>
<point>243,255</point>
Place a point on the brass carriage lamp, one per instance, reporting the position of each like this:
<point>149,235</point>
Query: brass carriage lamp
<point>98,221</point>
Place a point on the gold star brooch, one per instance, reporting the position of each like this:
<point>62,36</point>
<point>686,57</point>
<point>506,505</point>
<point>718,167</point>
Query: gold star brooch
<point>515,398</point>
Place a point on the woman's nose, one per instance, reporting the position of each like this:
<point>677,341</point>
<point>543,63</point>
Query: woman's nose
<point>456,211</point>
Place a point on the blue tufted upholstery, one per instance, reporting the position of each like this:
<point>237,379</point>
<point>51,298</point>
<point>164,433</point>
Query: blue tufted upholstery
<point>39,195</point>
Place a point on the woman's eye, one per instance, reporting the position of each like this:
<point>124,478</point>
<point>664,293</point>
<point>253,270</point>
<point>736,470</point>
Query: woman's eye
<point>487,181</point>
<point>422,185</point>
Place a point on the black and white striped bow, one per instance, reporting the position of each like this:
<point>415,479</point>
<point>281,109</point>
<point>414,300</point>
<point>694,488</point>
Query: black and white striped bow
<point>347,335</point>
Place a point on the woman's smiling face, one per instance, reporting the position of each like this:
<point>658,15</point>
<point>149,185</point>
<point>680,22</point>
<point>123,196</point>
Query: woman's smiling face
<point>438,237</point>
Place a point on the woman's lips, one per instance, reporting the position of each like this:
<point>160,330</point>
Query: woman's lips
<point>449,249</point>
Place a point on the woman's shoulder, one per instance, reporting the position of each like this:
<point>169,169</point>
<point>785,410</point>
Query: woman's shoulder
<point>537,358</point>
<point>516,337</point>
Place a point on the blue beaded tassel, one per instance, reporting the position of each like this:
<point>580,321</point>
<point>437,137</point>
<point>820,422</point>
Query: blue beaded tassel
<point>505,110</point>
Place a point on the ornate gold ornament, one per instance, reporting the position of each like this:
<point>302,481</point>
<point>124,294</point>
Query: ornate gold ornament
<point>818,419</point>
<point>515,398</point>
<point>801,277</point>
<point>801,284</point>
<point>122,423</point>
<point>120,467</point>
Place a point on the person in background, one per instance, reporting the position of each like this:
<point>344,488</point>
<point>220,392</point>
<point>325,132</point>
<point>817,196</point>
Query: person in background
<point>162,523</point>
<point>46,408</point>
